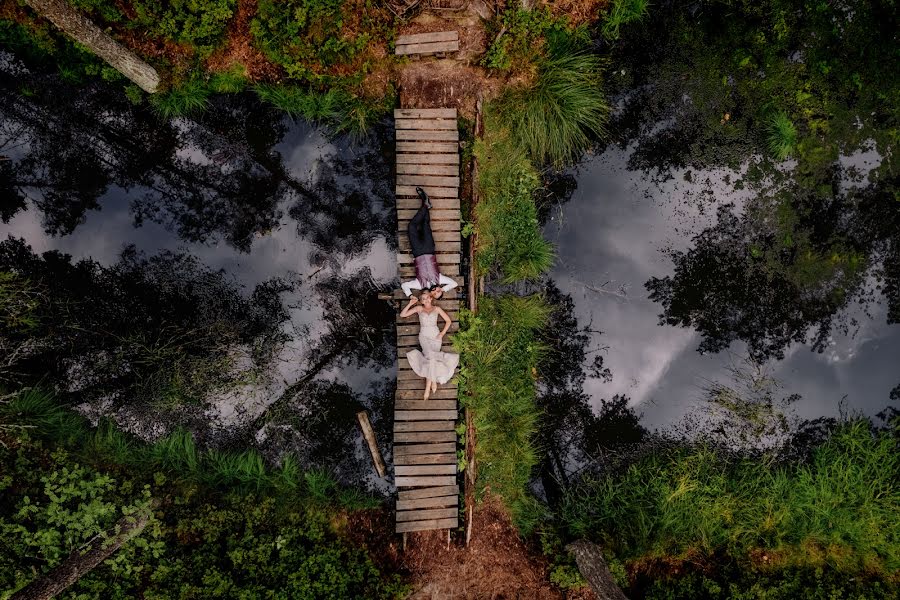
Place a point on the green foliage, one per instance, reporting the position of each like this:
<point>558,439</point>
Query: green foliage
<point>231,81</point>
<point>554,118</point>
<point>336,109</point>
<point>509,237</point>
<point>621,13</point>
<point>306,37</point>
<point>199,23</point>
<point>184,99</point>
<point>18,303</point>
<point>837,510</point>
<point>782,136</point>
<point>499,354</point>
<point>522,40</point>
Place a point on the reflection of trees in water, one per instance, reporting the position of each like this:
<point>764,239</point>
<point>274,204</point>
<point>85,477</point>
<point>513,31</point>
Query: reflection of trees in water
<point>791,263</point>
<point>573,435</point>
<point>214,177</point>
<point>163,330</point>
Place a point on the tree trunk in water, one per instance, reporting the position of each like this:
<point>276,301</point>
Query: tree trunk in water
<point>590,562</point>
<point>79,563</point>
<point>85,32</point>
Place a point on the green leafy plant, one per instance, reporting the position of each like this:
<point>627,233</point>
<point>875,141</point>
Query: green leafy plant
<point>781,137</point>
<point>182,100</point>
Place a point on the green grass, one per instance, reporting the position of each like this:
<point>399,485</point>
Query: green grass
<point>554,118</point>
<point>621,13</point>
<point>499,353</point>
<point>232,81</point>
<point>509,238</point>
<point>838,510</point>
<point>781,136</point>
<point>185,99</point>
<point>336,109</point>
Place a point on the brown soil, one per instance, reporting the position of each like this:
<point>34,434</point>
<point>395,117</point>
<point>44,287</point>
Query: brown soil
<point>579,12</point>
<point>239,48</point>
<point>473,40</point>
<point>445,83</point>
<point>496,564</point>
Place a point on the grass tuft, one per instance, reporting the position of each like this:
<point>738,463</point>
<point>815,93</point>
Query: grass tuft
<point>554,118</point>
<point>782,136</point>
<point>621,13</point>
<point>188,98</point>
<point>231,81</point>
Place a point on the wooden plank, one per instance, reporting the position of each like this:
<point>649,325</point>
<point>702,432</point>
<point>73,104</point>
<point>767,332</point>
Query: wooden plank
<point>445,241</point>
<point>412,341</point>
<point>427,514</point>
<point>433,191</point>
<point>443,422</point>
<point>424,113</point>
<point>426,459</point>
<point>433,180</point>
<point>414,470</point>
<point>425,405</point>
<point>426,415</point>
<point>424,437</point>
<point>435,502</point>
<point>432,492</point>
<point>419,135</point>
<point>427,124</point>
<point>436,204</point>
<point>428,48</point>
<point>428,147</point>
<point>438,214</point>
<point>421,169</point>
<point>417,449</point>
<point>415,393</point>
<point>443,259</point>
<point>417,385</point>
<point>424,480</point>
<point>405,375</point>
<point>424,38</point>
<point>428,159</point>
<point>427,525</point>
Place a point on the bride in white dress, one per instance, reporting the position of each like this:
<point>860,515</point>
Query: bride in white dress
<point>430,363</point>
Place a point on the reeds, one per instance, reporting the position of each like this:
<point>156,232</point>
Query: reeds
<point>781,136</point>
<point>499,353</point>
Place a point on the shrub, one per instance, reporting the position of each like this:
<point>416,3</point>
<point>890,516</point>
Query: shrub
<point>200,23</point>
<point>554,118</point>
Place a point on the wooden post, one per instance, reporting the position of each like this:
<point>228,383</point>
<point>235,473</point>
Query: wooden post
<point>369,434</point>
<point>85,32</point>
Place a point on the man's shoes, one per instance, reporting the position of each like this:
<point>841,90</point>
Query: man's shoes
<point>425,199</point>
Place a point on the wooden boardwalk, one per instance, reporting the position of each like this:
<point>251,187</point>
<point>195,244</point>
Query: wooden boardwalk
<point>438,42</point>
<point>425,463</point>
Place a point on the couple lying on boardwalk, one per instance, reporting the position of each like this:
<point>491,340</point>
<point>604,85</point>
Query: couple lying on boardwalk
<point>430,363</point>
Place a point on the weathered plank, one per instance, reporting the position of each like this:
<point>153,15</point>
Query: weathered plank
<point>424,38</point>
<point>412,470</point>
<point>426,459</point>
<point>432,492</point>
<point>437,215</point>
<point>425,415</point>
<point>432,180</point>
<point>427,48</point>
<point>424,480</point>
<point>427,514</point>
<point>428,159</point>
<point>425,113</point>
<point>446,424</point>
<point>450,242</point>
<point>427,525</point>
<point>428,147</point>
<point>410,393</point>
<point>424,437</point>
<point>424,135</point>
<point>425,169</point>
<point>443,259</point>
<point>412,341</point>
<point>430,124</point>
<point>435,502</point>
<point>425,405</point>
<point>416,449</point>
<point>433,191</point>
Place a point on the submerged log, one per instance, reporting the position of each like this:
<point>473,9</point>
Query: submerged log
<point>85,32</point>
<point>590,562</point>
<point>369,434</point>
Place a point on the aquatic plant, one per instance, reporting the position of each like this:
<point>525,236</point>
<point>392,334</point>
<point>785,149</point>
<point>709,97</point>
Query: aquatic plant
<point>836,509</point>
<point>305,104</point>
<point>781,136</point>
<point>621,13</point>
<point>181,100</point>
<point>499,354</point>
<point>555,117</point>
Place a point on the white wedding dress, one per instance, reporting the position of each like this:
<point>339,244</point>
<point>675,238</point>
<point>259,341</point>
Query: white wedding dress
<point>430,362</point>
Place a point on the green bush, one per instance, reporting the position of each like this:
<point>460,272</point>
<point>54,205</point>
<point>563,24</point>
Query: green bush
<point>499,354</point>
<point>782,136</point>
<point>522,41</point>
<point>199,23</point>
<point>554,117</point>
<point>837,510</point>
<point>305,36</point>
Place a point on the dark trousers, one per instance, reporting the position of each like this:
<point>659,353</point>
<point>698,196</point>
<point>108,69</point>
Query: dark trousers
<point>419,231</point>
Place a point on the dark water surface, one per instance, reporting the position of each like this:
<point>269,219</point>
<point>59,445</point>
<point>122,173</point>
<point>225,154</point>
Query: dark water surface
<point>617,232</point>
